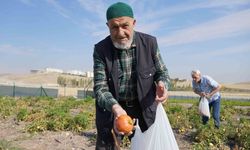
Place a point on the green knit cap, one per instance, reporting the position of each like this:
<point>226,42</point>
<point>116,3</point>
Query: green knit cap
<point>119,9</point>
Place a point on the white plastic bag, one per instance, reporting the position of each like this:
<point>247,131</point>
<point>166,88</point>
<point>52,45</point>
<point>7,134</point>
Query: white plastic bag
<point>159,135</point>
<point>204,107</point>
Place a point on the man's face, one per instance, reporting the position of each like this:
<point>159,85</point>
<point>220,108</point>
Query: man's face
<point>196,78</point>
<point>121,31</point>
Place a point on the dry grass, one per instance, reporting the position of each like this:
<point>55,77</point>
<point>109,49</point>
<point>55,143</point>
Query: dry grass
<point>245,85</point>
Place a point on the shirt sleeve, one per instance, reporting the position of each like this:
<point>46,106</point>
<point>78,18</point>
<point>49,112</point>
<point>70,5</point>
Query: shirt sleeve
<point>161,70</point>
<point>103,96</point>
<point>212,82</point>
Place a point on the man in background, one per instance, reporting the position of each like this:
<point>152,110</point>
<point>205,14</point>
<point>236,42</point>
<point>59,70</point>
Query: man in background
<point>206,86</point>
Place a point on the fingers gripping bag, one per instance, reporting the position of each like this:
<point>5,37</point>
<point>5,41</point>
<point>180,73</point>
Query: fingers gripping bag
<point>159,135</point>
<point>204,107</point>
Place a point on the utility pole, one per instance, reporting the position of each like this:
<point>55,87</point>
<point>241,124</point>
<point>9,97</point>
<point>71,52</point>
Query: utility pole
<point>14,88</point>
<point>64,89</point>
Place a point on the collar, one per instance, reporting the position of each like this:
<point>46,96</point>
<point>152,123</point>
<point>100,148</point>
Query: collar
<point>201,81</point>
<point>133,45</point>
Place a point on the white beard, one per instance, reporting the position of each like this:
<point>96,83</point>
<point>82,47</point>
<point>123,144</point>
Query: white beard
<point>123,46</point>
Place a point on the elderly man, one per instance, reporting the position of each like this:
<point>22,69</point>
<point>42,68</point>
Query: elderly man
<point>207,87</point>
<point>129,75</point>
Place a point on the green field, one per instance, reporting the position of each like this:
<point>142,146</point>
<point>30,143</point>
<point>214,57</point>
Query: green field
<point>69,114</point>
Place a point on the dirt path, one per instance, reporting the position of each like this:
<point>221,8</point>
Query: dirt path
<point>14,132</point>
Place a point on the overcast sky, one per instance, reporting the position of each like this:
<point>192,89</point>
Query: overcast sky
<point>210,35</point>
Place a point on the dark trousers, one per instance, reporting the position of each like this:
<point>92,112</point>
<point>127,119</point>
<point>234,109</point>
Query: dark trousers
<point>215,105</point>
<point>106,142</point>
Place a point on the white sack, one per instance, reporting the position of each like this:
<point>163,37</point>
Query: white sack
<point>204,107</point>
<point>159,135</point>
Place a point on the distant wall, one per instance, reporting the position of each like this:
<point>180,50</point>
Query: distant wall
<point>7,90</point>
<point>19,90</point>
<point>83,94</point>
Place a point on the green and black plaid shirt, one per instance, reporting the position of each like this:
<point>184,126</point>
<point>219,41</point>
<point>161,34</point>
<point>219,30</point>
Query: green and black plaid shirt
<point>127,74</point>
<point>127,77</point>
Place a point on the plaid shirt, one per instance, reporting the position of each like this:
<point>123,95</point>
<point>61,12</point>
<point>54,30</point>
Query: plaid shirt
<point>127,77</point>
<point>127,74</point>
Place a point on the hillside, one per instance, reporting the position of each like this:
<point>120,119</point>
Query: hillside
<point>41,78</point>
<point>47,79</point>
<point>242,85</point>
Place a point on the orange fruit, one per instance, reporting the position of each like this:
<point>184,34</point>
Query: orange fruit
<point>124,124</point>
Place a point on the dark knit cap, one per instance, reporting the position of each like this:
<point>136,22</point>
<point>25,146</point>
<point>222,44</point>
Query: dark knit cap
<point>119,9</point>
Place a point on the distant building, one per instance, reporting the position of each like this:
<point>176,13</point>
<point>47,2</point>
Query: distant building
<point>90,74</point>
<point>76,72</point>
<point>48,70</point>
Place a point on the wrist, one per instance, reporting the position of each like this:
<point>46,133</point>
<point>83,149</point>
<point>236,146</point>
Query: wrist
<point>117,110</point>
<point>115,107</point>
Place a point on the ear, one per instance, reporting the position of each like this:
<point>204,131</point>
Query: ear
<point>134,22</point>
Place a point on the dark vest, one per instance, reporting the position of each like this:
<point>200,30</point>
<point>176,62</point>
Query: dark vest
<point>146,46</point>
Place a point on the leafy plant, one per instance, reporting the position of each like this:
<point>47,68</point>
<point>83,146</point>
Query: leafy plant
<point>70,114</point>
<point>22,114</point>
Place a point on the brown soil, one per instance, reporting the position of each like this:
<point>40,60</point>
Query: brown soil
<point>14,132</point>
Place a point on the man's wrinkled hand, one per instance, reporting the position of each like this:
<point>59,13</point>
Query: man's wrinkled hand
<point>203,94</point>
<point>118,111</point>
<point>161,92</point>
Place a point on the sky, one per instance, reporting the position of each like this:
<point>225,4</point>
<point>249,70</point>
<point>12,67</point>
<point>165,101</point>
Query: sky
<point>212,36</point>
